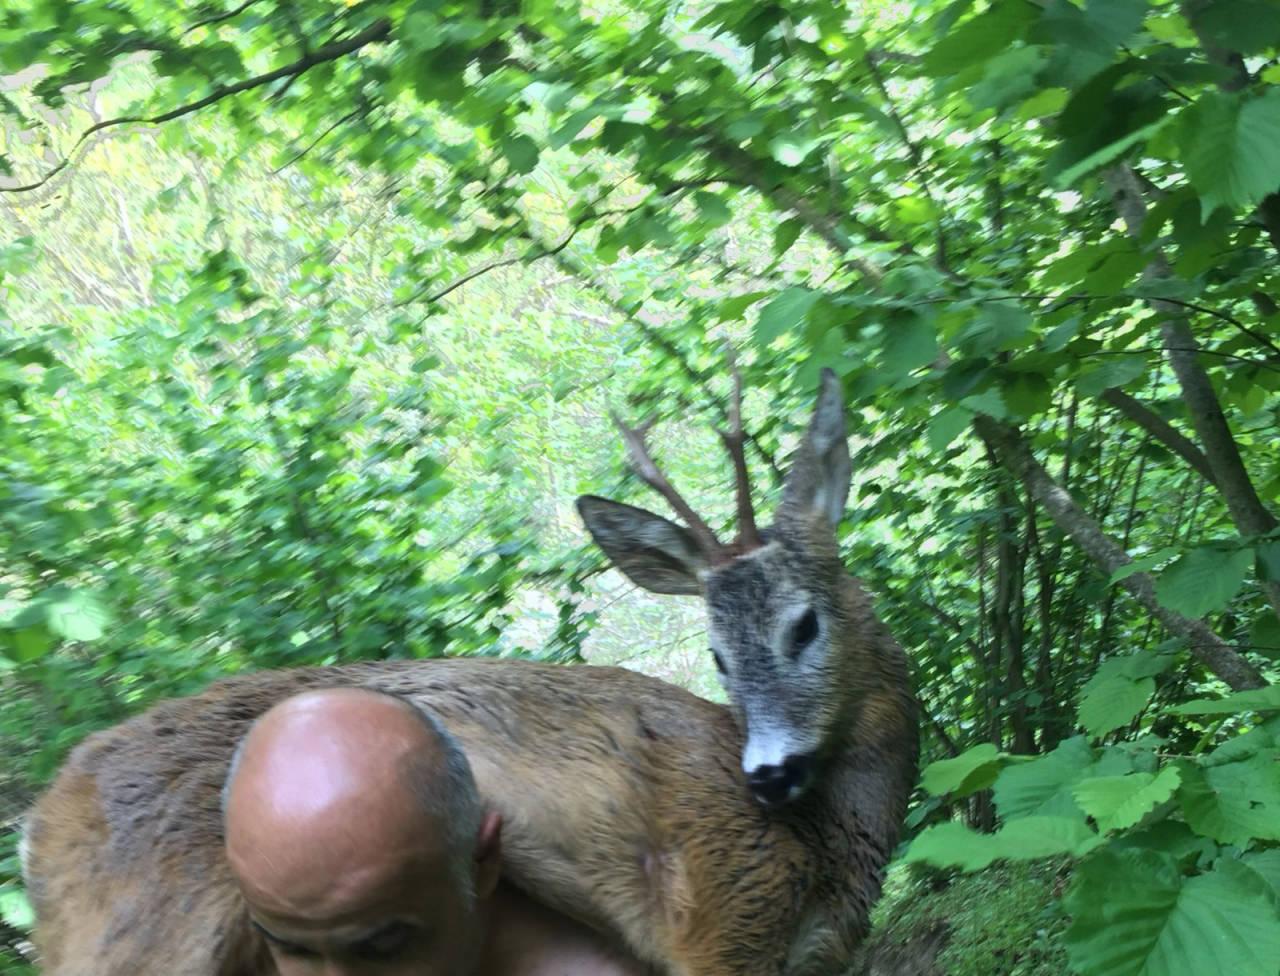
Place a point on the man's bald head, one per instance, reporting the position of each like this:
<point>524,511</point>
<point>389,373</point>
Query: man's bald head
<point>345,783</point>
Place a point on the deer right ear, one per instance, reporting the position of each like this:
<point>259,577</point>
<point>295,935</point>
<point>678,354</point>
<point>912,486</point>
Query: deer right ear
<point>821,470</point>
<point>654,553</point>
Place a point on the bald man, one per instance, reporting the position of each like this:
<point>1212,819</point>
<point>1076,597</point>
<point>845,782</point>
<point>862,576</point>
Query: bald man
<point>359,842</point>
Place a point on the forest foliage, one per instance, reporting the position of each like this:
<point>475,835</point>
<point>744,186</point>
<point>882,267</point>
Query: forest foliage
<point>311,314</point>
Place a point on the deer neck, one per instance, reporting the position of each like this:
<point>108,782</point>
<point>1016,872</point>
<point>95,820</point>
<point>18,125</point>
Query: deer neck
<point>872,769</point>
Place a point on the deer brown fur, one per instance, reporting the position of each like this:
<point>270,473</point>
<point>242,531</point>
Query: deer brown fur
<point>623,797</point>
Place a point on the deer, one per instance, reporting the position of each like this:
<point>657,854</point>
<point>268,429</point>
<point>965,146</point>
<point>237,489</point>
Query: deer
<point>747,839</point>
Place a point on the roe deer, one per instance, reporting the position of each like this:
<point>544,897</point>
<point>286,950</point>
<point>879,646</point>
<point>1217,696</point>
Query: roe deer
<point>623,797</point>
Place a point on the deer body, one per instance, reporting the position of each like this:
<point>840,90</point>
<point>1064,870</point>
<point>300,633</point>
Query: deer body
<point>625,800</point>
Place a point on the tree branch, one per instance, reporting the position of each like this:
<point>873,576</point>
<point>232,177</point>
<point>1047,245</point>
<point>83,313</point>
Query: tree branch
<point>1250,516</point>
<point>1161,430</point>
<point>219,18</point>
<point>1009,444</point>
<point>330,52</point>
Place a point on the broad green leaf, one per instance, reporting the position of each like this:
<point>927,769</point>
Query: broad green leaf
<point>521,153</point>
<point>791,148</point>
<point>1231,148</point>
<point>909,343</point>
<point>1267,866</point>
<point>1117,802</point>
<point>974,769</point>
<point>1204,580</point>
<point>1044,786</point>
<point>946,426</point>
<point>1111,371</point>
<point>1134,915</point>
<point>1233,803</point>
<point>25,644</point>
<point>784,313</point>
<point>1112,701</point>
<point>786,234</point>
<point>713,208</point>
<point>979,38</point>
<point>1254,700</point>
<point>16,910</point>
<point>1264,635</point>
<point>950,844</point>
<point>1246,26</point>
<point>1025,839</point>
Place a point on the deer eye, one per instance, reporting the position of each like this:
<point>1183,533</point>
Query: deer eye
<point>719,661</point>
<point>804,631</point>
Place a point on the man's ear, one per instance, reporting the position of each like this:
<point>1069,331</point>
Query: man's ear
<point>488,854</point>
<point>653,552</point>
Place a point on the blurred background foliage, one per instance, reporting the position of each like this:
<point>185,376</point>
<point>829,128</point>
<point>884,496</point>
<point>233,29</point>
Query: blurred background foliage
<point>311,316</point>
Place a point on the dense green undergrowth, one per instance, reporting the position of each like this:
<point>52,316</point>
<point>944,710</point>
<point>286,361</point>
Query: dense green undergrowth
<point>1004,921</point>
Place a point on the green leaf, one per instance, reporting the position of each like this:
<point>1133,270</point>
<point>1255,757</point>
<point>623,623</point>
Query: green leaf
<point>1267,865</point>
<point>1264,635</point>
<point>950,844</point>
<point>77,616</point>
<point>1044,786</point>
<point>1246,26</point>
<point>909,343</point>
<point>1118,802</point>
<point>16,910</point>
<point>786,234</point>
<point>1025,839</point>
<point>791,148</point>
<point>1109,701</point>
<point>1134,915</point>
<point>946,426</point>
<point>713,208</point>
<point>1233,803</point>
<point>1254,700</point>
<point>972,770</point>
<point>1113,371</point>
<point>1204,580</point>
<point>521,153</point>
<point>979,38</point>
<point>1231,148</point>
<point>26,644</point>
<point>785,313</point>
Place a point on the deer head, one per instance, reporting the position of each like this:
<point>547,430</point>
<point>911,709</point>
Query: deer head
<point>775,612</point>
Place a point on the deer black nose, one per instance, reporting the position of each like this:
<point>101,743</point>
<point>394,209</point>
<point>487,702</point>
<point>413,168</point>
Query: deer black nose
<point>775,785</point>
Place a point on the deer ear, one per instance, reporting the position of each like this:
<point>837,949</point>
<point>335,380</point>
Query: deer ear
<point>653,552</point>
<point>820,472</point>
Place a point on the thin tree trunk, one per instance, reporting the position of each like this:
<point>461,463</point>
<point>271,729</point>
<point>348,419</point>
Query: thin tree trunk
<point>1222,659</point>
<point>1250,516</point>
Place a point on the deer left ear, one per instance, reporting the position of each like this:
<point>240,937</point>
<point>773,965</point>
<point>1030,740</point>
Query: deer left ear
<point>654,553</point>
<point>818,483</point>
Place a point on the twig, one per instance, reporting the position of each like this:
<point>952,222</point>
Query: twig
<point>219,18</point>
<point>330,52</point>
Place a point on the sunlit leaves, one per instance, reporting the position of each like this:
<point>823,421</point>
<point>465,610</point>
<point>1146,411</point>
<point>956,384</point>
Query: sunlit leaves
<point>1027,838</point>
<point>1118,802</point>
<point>975,769</point>
<point>1231,147</point>
<point>784,313</point>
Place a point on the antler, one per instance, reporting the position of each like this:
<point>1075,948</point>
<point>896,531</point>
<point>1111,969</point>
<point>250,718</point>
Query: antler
<point>748,536</point>
<point>648,471</point>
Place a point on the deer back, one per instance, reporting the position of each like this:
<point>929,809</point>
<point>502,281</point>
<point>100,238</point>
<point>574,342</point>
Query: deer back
<point>623,805</point>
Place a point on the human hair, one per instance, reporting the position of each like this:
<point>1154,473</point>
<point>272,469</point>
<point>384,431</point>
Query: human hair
<point>442,784</point>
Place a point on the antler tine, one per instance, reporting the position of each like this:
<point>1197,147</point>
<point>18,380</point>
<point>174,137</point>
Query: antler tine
<point>748,535</point>
<point>648,471</point>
